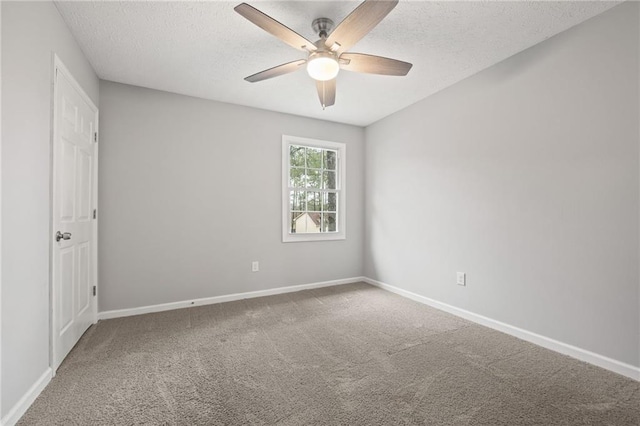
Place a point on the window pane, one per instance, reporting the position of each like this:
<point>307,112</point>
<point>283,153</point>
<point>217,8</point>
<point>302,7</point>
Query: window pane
<point>314,178</point>
<point>330,160</point>
<point>296,156</point>
<point>297,178</point>
<point>329,202</point>
<point>305,223</point>
<point>314,222</point>
<point>297,200</point>
<point>294,226</point>
<point>329,222</point>
<point>329,180</point>
<point>314,202</point>
<point>314,158</point>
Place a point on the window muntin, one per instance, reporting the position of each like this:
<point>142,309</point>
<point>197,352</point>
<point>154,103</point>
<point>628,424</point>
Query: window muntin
<point>314,192</point>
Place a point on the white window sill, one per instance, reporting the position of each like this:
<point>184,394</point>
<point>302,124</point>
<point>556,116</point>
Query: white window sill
<point>299,238</point>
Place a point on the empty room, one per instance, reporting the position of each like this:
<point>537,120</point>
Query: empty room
<point>320,213</point>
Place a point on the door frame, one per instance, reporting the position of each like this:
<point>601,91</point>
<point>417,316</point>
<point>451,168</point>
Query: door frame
<point>59,67</point>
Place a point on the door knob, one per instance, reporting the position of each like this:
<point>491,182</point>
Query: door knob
<point>61,236</point>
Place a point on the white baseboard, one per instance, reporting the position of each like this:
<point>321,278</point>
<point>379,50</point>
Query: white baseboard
<point>27,399</point>
<point>220,299</point>
<point>619,367</point>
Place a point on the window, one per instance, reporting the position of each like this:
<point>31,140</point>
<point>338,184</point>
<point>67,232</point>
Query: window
<point>313,196</point>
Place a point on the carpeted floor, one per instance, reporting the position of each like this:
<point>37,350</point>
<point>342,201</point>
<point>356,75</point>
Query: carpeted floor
<point>347,355</point>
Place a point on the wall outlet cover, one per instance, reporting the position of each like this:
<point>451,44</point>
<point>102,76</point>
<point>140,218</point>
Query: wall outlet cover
<point>461,278</point>
<point>255,266</point>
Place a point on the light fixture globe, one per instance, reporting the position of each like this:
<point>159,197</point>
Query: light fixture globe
<point>322,66</point>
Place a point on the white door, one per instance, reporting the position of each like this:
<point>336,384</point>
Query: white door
<point>73,225</point>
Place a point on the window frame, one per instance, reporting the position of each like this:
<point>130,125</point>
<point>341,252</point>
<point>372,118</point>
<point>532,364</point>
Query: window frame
<point>341,184</point>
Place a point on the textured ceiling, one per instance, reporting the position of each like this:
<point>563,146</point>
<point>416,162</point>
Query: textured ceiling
<point>205,49</point>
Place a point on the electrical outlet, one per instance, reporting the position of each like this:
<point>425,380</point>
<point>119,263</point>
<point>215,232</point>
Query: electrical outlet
<point>255,266</point>
<point>461,278</point>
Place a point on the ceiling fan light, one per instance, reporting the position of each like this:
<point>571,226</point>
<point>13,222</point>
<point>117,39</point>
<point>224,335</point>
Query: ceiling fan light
<point>323,68</point>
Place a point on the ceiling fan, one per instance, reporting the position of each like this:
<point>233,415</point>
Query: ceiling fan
<point>329,54</point>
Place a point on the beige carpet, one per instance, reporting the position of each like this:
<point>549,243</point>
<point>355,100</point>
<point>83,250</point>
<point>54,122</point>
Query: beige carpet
<point>347,355</point>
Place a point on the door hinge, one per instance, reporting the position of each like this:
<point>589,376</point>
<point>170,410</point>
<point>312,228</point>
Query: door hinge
<point>95,136</point>
<point>95,213</point>
<point>94,290</point>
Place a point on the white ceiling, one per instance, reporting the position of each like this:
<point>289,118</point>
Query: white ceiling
<point>205,49</point>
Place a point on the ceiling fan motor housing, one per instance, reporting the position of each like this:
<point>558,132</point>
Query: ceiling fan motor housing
<point>322,64</point>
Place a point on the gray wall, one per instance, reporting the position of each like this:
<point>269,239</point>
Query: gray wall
<point>525,177</point>
<point>31,33</point>
<point>190,195</point>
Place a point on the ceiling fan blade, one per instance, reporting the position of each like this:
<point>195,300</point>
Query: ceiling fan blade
<point>275,28</point>
<point>358,24</point>
<point>326,92</point>
<point>370,64</point>
<point>276,71</point>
